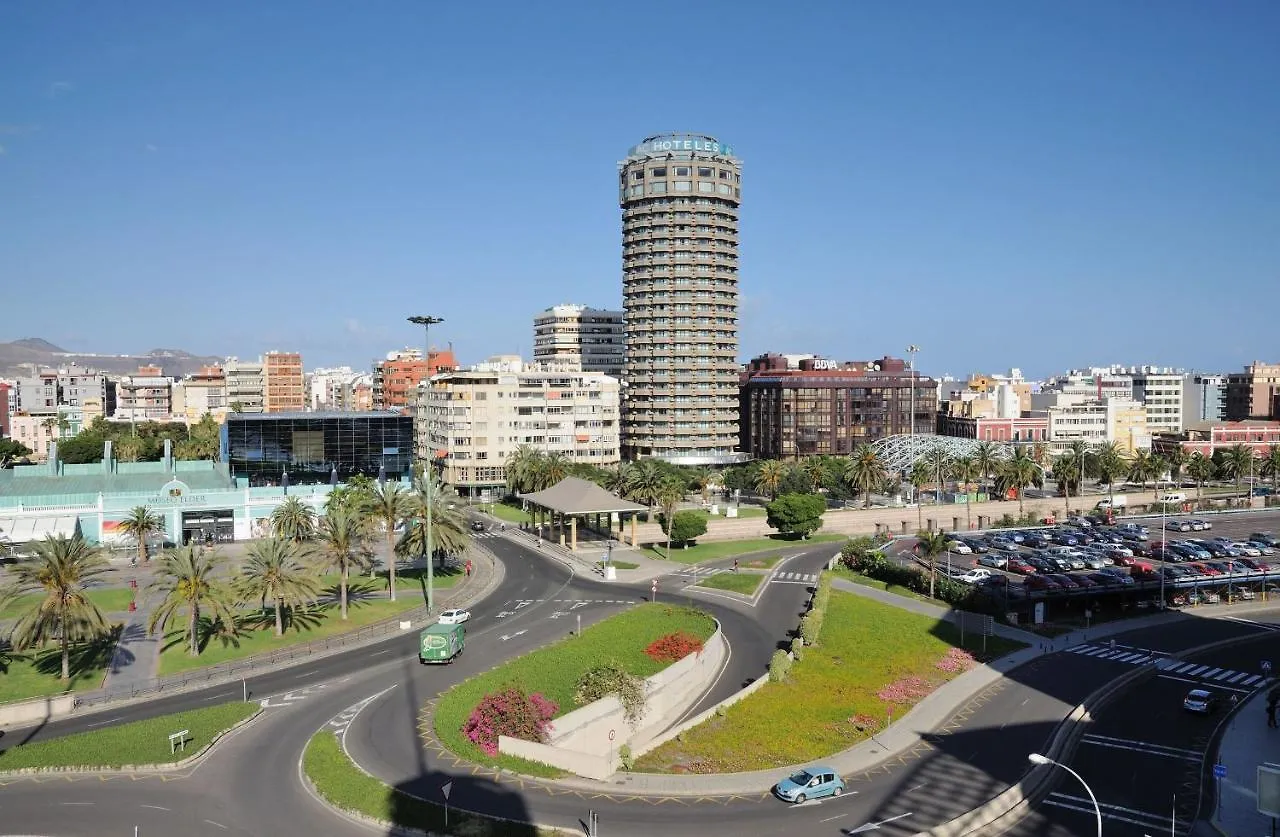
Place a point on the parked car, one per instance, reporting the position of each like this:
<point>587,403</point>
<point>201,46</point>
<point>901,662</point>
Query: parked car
<point>810,783</point>
<point>1246,550</point>
<point>959,547</point>
<point>1015,535</point>
<point>1262,547</point>
<point>1201,525</point>
<point>996,560</point>
<point>1200,701</point>
<point>1097,562</point>
<point>1177,525</point>
<point>1035,540</point>
<point>1064,538</point>
<point>977,545</point>
<point>974,576</point>
<point>1266,538</point>
<point>1040,583</point>
<point>1079,520</point>
<point>1017,565</point>
<point>477,526</point>
<point>1004,546</point>
<point>1115,573</point>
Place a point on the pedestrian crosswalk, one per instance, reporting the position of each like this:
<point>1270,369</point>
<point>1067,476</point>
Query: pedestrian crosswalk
<point>783,577</point>
<point>486,534</point>
<point>700,572</point>
<point>1225,677</point>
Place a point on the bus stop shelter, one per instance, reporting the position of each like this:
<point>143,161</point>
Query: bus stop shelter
<point>573,498</point>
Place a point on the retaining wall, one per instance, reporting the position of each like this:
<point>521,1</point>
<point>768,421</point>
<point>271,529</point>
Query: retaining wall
<point>32,711</point>
<point>580,741</point>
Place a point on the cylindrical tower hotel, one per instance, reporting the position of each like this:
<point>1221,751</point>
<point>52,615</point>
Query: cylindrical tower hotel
<point>679,195</point>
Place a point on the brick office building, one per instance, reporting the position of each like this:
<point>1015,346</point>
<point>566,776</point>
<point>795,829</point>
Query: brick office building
<point>795,408</point>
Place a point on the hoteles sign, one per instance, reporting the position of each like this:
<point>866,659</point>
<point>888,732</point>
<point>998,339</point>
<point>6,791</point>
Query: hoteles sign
<point>661,145</point>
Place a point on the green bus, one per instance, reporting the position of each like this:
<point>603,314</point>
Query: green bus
<point>440,643</point>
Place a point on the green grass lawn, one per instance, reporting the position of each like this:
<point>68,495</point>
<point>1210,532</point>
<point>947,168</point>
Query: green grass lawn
<point>867,581</point>
<point>37,672</point>
<point>831,699</point>
<point>141,742</point>
<point>744,583</point>
<point>512,513</point>
<point>713,550</point>
<point>108,600</point>
<point>766,562</point>
<point>743,513</point>
<point>411,580</point>
<point>345,786</point>
<point>259,637</point>
<point>555,669</point>
<point>623,565</point>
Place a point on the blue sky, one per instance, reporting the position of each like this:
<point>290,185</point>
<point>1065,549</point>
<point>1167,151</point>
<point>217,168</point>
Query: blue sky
<point>1041,185</point>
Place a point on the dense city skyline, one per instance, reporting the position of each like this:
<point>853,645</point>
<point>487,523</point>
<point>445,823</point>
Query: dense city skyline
<point>1041,176</point>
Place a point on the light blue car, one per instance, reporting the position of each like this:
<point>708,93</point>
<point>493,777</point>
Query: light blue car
<point>810,783</point>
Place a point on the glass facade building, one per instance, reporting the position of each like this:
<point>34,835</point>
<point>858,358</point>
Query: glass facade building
<point>316,448</point>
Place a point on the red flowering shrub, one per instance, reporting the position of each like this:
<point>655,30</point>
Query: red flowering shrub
<point>511,713</point>
<point>906,690</point>
<point>673,647</point>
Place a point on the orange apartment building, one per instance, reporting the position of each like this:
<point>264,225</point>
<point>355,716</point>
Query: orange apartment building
<point>283,383</point>
<point>396,379</point>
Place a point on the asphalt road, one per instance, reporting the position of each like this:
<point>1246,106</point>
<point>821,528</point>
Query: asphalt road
<point>250,784</point>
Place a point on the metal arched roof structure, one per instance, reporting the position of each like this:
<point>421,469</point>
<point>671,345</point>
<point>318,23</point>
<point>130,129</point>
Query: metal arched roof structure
<point>900,453</point>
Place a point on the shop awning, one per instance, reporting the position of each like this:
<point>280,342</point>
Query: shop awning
<point>37,527</point>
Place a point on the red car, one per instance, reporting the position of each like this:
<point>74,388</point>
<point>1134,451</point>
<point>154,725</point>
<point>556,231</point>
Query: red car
<point>1203,569</point>
<point>1040,582</point>
<point>1017,565</point>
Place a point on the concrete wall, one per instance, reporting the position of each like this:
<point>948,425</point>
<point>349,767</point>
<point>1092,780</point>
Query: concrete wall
<point>40,709</point>
<point>579,741</point>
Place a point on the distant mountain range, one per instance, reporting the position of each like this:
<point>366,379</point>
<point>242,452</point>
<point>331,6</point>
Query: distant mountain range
<point>27,356</point>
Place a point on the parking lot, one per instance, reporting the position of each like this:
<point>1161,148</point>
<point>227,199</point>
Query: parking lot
<point>1186,559</point>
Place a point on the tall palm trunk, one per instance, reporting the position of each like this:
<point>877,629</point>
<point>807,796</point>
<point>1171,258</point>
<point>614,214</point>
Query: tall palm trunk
<point>193,625</point>
<point>1020,510</point>
<point>391,558</point>
<point>968,507</point>
<point>142,548</point>
<point>342,589</point>
<point>279,617</point>
<point>66,648</point>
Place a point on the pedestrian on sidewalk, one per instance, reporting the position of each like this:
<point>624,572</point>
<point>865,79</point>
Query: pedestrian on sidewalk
<point>468,568</point>
<point>735,565</point>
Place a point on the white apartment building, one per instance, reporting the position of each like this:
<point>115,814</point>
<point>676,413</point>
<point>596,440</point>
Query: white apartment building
<point>475,419</point>
<point>246,385</point>
<point>1204,398</point>
<point>330,389</point>
<point>1119,420</point>
<point>144,398</point>
<point>590,338</point>
<point>1159,391</point>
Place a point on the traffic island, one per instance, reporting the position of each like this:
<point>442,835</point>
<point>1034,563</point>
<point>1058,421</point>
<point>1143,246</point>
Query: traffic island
<point>168,742</point>
<point>580,704</point>
<point>871,664</point>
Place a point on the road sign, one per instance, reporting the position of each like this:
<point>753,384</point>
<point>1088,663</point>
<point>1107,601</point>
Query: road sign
<point>612,733</point>
<point>1219,771</point>
<point>445,789</point>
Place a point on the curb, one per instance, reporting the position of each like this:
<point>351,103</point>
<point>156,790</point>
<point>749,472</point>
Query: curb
<point>183,764</point>
<point>1017,800</point>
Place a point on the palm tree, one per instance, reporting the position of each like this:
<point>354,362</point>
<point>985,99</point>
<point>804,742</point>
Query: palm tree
<point>939,467</point>
<point>1176,458</point>
<point>864,472</point>
<point>1018,472</point>
<point>388,504</point>
<point>814,469</point>
<point>342,537</point>
<point>646,482</point>
<point>555,467</point>
<point>1270,467</point>
<point>669,497</point>
<point>929,546</point>
<point>274,570</point>
<point>772,473</point>
<point>1111,464</point>
<point>293,520</point>
<point>987,457</point>
<point>965,470</point>
<point>618,480</point>
<point>702,480</point>
<point>188,580</point>
<point>448,525</point>
<point>523,469</point>
<point>1201,469</point>
<point>140,524</point>
<point>1237,461</point>
<point>1143,466</point>
<point>920,476</point>
<point>62,570</point>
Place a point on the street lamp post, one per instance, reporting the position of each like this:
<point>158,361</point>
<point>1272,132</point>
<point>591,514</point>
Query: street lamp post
<point>427,322</point>
<point>1036,758</point>
<point>911,448</point>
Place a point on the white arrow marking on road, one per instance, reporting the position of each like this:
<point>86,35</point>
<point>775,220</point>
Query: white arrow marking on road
<point>577,605</point>
<point>558,614</point>
<point>506,637</point>
<point>875,826</point>
<point>504,614</point>
<point>523,603</point>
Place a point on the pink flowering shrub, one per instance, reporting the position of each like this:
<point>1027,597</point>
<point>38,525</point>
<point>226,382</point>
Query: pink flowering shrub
<point>957,659</point>
<point>511,713</point>
<point>906,690</point>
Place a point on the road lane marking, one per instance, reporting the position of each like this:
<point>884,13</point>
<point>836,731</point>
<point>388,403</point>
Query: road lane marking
<point>215,697</point>
<point>836,817</point>
<point>1239,676</point>
<point>1201,683</point>
<point>218,824</point>
<point>383,651</point>
<point>1252,624</point>
<point>156,807</point>
<point>1108,740</point>
<point>1195,671</point>
<point>1086,805</point>
<point>100,723</point>
<point>1212,673</point>
<point>75,803</point>
<point>306,674</point>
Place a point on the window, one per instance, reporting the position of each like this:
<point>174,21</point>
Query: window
<point>706,186</point>
<point>660,188</point>
<point>704,171</point>
<point>637,175</point>
<point>683,186</point>
<point>724,175</point>
<point>722,189</point>
<point>682,171</point>
<point>659,173</point>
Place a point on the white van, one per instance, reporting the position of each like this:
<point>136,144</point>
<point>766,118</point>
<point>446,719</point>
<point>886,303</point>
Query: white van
<point>1172,497</point>
<point>1120,501</point>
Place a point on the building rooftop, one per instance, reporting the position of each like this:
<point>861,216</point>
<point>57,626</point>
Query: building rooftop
<point>133,478</point>
<point>330,414</point>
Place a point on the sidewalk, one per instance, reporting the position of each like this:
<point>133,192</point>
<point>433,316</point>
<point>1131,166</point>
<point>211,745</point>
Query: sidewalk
<point>137,656</point>
<point>1246,743</point>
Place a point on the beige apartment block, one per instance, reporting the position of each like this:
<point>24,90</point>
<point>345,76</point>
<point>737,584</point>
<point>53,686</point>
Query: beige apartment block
<point>35,430</point>
<point>245,385</point>
<point>201,394</point>
<point>284,385</point>
<point>590,338</point>
<point>679,196</point>
<point>147,396</point>
<point>1254,393</point>
<point>1119,420</point>
<point>472,420</point>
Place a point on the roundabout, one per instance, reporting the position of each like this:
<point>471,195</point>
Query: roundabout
<point>967,752</point>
